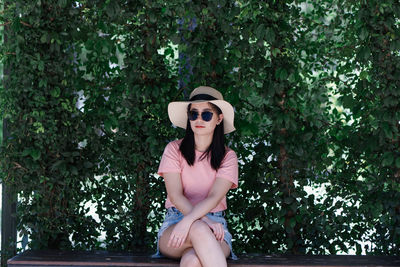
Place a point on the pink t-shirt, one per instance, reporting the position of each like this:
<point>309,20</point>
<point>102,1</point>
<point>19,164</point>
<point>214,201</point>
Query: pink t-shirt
<point>198,179</point>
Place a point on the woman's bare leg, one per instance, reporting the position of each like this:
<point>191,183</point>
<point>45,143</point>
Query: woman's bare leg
<point>209,251</point>
<point>190,259</point>
<point>171,252</point>
<point>225,248</point>
<point>207,248</point>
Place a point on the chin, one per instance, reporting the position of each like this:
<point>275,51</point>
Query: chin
<point>203,131</point>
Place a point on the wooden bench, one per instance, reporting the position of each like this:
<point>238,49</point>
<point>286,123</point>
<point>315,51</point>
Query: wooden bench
<point>104,258</point>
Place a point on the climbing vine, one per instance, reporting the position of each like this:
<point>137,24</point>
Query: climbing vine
<point>315,88</point>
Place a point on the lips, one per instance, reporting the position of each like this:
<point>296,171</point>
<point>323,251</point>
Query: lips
<point>199,126</point>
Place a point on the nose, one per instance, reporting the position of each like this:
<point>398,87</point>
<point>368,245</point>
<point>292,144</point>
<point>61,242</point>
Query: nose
<point>198,118</point>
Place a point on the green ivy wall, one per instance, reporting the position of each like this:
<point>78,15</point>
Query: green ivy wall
<point>315,86</point>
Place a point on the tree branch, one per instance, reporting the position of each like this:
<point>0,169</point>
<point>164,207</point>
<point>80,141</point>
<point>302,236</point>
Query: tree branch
<point>5,24</point>
<point>26,24</point>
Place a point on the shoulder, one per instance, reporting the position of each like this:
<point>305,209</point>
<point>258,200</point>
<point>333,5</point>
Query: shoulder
<point>229,153</point>
<point>229,168</point>
<point>173,146</point>
<point>230,157</point>
<point>175,143</point>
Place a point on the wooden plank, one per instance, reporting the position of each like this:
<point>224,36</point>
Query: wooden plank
<point>104,258</point>
<point>84,258</point>
<point>315,260</point>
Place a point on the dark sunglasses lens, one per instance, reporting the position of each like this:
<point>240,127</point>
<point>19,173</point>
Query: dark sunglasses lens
<point>206,115</point>
<point>193,115</point>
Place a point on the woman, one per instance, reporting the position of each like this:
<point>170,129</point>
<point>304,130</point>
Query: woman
<point>198,171</point>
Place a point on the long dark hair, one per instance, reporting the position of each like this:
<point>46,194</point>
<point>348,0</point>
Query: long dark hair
<point>216,150</point>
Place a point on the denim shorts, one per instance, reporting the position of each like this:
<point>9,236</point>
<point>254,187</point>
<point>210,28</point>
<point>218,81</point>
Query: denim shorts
<point>173,216</point>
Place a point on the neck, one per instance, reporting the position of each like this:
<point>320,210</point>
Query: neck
<point>202,142</point>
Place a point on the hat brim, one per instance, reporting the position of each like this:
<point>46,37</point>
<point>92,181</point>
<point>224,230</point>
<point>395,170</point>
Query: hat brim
<point>177,112</point>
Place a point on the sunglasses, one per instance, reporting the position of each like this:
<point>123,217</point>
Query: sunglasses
<point>205,115</point>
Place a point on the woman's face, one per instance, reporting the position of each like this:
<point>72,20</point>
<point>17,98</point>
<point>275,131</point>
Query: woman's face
<point>201,127</point>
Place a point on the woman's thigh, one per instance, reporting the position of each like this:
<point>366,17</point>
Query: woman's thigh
<point>226,249</point>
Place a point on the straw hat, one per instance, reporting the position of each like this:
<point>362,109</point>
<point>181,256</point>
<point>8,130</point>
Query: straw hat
<point>177,111</point>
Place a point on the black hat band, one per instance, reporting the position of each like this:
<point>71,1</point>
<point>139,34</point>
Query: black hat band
<point>202,97</point>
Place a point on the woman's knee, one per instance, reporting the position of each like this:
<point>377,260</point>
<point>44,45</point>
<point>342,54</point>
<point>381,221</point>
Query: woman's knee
<point>199,228</point>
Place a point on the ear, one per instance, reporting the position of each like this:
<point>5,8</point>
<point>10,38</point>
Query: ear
<point>220,118</point>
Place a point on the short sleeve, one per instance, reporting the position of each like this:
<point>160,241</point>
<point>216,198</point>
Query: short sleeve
<point>229,168</point>
<point>170,161</point>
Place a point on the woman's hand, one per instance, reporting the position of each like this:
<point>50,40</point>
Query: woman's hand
<point>216,227</point>
<point>179,234</point>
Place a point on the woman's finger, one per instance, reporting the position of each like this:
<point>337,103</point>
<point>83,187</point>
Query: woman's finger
<point>176,241</point>
<point>220,232</point>
<point>215,230</point>
<point>169,244</point>
<point>173,239</point>
<point>179,242</point>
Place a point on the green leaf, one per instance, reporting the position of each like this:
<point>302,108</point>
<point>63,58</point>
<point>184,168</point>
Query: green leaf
<point>348,101</point>
<point>66,154</point>
<point>288,200</point>
<point>35,154</point>
<point>270,35</point>
<point>307,136</point>
<point>41,66</point>
<point>363,34</point>
<point>44,38</point>
<point>26,152</point>
<point>364,53</point>
<point>238,53</point>
<point>386,129</point>
<point>283,74</point>
<point>110,10</point>
<point>88,164</point>
<point>62,3</point>
<point>363,75</point>
<point>398,162</point>
<point>387,159</point>
<point>56,165</point>
<point>153,18</point>
<point>289,229</point>
<point>55,92</point>
<point>42,83</point>
<point>260,31</point>
<point>20,39</point>
<point>292,222</point>
<point>276,51</point>
<point>74,170</point>
<point>291,79</point>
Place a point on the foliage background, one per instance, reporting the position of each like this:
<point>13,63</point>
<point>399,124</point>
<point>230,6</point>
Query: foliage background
<point>315,85</point>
